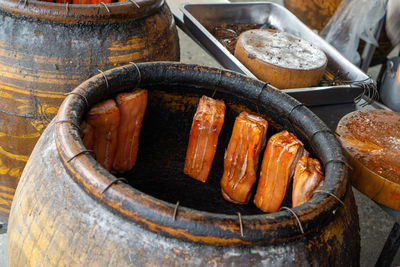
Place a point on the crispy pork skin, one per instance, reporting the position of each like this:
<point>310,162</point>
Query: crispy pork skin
<point>308,176</point>
<point>132,107</point>
<point>206,126</point>
<point>104,118</point>
<point>241,157</point>
<point>280,158</point>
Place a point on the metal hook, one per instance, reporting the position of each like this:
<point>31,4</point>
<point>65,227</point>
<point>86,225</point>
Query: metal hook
<point>25,3</point>
<point>80,153</point>
<point>295,215</point>
<point>67,8</point>
<point>258,97</point>
<point>72,123</point>
<point>320,131</point>
<point>114,182</point>
<point>329,193</point>
<point>295,107</point>
<point>136,4</point>
<point>139,74</point>
<point>108,10</point>
<point>82,97</point>
<point>289,115</point>
<point>213,94</point>
<point>105,77</point>
<point>240,224</point>
<point>233,32</point>
<point>175,211</point>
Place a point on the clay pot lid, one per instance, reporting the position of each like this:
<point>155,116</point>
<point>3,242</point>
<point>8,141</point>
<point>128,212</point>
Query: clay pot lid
<point>63,13</point>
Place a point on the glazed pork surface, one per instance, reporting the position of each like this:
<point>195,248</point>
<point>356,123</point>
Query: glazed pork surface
<point>104,119</point>
<point>241,157</point>
<point>132,107</point>
<point>280,158</point>
<point>206,126</point>
<point>308,177</point>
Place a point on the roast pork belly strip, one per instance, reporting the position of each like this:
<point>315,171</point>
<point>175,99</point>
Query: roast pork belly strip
<point>280,158</point>
<point>132,107</point>
<point>104,119</point>
<point>308,176</point>
<point>241,157</point>
<point>206,126</point>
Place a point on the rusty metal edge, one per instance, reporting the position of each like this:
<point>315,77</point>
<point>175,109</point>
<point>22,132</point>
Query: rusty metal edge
<point>192,225</point>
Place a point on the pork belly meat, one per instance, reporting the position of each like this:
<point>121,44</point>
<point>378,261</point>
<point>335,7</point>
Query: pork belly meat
<point>132,106</point>
<point>280,158</point>
<point>241,157</point>
<point>206,126</point>
<point>308,176</point>
<point>104,119</point>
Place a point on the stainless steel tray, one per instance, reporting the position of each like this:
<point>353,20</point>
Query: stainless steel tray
<point>199,16</point>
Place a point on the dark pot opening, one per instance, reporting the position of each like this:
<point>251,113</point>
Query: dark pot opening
<point>163,143</point>
<point>157,181</point>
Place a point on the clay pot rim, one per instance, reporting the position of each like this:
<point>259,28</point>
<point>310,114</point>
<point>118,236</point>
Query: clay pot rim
<point>63,13</point>
<point>193,225</point>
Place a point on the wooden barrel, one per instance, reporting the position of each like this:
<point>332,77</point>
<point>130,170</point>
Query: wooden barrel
<point>316,14</point>
<point>47,49</point>
<point>70,211</point>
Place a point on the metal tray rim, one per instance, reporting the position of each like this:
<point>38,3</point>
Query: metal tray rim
<point>332,52</point>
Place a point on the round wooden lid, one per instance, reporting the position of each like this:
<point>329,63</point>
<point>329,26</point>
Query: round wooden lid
<point>282,49</point>
<point>371,139</point>
<point>280,58</point>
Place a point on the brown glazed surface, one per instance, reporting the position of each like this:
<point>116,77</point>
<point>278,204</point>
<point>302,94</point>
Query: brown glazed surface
<point>373,138</point>
<point>46,51</point>
<point>371,142</point>
<point>61,215</point>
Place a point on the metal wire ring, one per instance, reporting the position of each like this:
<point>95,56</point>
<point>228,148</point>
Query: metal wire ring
<point>105,77</point>
<point>258,97</point>
<point>213,94</point>
<point>295,215</point>
<point>80,153</point>
<point>121,179</point>
<point>320,131</point>
<point>295,107</point>
<point>240,224</point>
<point>82,97</point>
<point>329,193</point>
<point>108,10</point>
<point>337,134</point>
<point>139,74</point>
<point>175,211</point>
<point>72,123</point>
<point>136,4</point>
